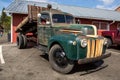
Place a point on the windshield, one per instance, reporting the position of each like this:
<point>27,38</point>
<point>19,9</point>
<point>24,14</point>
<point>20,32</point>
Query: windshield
<point>61,18</point>
<point>58,18</point>
<point>87,30</point>
<point>69,19</point>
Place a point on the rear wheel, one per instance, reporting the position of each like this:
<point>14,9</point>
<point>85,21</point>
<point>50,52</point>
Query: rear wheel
<point>24,41</point>
<point>20,42</point>
<point>59,61</point>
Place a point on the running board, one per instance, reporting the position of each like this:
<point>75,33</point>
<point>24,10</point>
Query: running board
<point>42,48</point>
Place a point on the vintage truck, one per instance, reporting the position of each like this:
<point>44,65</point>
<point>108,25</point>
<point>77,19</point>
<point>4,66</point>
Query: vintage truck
<point>113,37</point>
<point>64,41</point>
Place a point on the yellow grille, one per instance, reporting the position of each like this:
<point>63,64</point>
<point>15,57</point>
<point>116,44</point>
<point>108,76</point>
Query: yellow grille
<point>94,48</point>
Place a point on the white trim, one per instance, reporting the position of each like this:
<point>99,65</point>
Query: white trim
<point>11,28</point>
<point>108,27</point>
<point>95,32</point>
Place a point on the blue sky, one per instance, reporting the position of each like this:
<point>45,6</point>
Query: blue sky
<point>102,4</point>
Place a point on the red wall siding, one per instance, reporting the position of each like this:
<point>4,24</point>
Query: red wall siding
<point>86,21</point>
<point>89,21</point>
<point>17,18</point>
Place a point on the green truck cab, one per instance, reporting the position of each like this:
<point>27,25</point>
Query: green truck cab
<point>68,42</point>
<point>65,41</point>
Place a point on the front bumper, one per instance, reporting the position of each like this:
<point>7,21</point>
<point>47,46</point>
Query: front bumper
<point>88,60</point>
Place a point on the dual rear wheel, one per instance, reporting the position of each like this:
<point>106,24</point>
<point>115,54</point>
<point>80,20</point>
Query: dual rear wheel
<point>21,41</point>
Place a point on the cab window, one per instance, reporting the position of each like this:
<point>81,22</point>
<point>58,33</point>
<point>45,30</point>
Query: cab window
<point>44,18</point>
<point>88,30</point>
<point>69,19</point>
<point>58,18</point>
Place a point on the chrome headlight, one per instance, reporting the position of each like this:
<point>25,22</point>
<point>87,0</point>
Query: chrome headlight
<point>84,43</point>
<point>105,41</point>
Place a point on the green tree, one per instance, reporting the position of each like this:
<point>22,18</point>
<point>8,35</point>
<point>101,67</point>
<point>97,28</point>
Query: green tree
<point>3,16</point>
<point>5,21</point>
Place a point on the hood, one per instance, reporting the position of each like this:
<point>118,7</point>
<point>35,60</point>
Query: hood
<point>79,29</point>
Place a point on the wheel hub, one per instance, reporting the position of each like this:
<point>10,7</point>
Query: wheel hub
<point>60,59</point>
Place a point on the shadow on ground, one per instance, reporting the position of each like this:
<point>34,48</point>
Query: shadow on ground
<point>84,68</point>
<point>89,67</point>
<point>1,69</point>
<point>115,47</point>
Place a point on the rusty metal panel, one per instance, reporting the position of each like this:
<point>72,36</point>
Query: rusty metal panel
<point>33,11</point>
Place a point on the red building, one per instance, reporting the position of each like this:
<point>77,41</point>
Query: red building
<point>103,19</point>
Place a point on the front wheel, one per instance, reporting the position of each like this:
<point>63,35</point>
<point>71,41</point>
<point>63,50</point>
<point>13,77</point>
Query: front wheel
<point>109,42</point>
<point>59,61</point>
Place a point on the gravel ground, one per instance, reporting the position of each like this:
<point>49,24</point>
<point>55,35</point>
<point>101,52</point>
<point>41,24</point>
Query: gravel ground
<point>3,39</point>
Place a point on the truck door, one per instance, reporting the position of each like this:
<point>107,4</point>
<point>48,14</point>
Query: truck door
<point>44,29</point>
<point>117,39</point>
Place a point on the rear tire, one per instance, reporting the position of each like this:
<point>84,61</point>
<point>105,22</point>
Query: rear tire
<point>20,42</point>
<point>24,41</point>
<point>59,61</point>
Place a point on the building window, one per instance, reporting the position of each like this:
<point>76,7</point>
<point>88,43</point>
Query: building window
<point>96,24</point>
<point>104,25</point>
<point>101,25</point>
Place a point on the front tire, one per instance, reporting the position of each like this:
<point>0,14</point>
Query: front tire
<point>109,42</point>
<point>59,61</point>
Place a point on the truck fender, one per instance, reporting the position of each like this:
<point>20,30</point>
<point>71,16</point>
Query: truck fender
<point>62,46</point>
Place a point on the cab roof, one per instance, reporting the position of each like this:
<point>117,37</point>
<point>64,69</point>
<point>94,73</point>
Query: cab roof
<point>54,11</point>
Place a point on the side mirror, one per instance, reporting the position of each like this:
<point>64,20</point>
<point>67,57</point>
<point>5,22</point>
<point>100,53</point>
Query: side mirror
<point>39,15</point>
<point>48,22</point>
